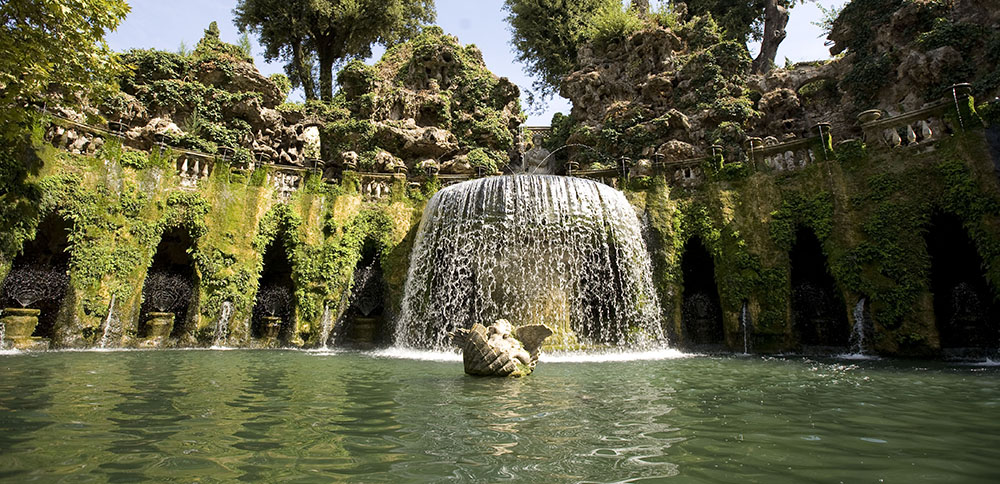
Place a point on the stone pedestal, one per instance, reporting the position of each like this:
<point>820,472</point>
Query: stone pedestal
<point>272,329</point>
<point>18,325</point>
<point>362,331</point>
<point>158,328</point>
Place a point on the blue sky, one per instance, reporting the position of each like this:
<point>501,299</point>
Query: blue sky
<point>165,24</point>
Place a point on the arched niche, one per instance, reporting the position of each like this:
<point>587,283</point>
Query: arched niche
<point>819,314</point>
<point>273,318</point>
<point>39,275</point>
<point>365,319</point>
<point>965,305</point>
<point>170,287</point>
<point>701,310</point>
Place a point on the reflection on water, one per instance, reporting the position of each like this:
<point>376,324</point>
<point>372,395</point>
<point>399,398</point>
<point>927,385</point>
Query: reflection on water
<point>322,417</point>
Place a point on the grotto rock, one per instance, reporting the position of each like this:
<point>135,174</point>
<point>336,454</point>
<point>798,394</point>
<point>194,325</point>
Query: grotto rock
<point>428,98</point>
<point>675,150</point>
<point>385,162</point>
<point>415,141</point>
<point>239,76</point>
<point>500,350</point>
<point>782,112</point>
<point>458,165</point>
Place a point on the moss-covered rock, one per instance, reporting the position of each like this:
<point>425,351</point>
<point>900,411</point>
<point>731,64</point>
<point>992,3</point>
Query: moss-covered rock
<point>427,98</point>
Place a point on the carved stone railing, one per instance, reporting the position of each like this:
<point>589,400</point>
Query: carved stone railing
<point>376,186</point>
<point>786,156</point>
<point>286,180</point>
<point>77,138</point>
<point>920,127</point>
<point>193,168</point>
<point>682,172</point>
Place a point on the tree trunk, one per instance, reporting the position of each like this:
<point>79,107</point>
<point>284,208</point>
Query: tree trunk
<point>641,6</point>
<point>303,71</point>
<point>326,60</point>
<point>775,20</point>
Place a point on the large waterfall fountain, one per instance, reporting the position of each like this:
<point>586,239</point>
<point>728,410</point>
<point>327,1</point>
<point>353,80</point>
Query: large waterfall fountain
<point>560,251</point>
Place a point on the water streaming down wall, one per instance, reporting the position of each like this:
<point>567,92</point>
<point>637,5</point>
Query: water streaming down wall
<point>566,252</point>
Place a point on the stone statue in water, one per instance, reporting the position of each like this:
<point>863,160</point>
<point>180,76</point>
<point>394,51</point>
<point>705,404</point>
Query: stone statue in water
<point>500,350</point>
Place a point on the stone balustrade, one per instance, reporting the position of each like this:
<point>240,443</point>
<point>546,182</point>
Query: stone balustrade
<point>917,130</point>
<point>920,127</point>
<point>286,180</point>
<point>786,156</point>
<point>193,168</point>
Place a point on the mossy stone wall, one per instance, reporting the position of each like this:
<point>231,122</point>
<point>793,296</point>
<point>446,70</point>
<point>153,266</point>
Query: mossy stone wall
<point>118,210</point>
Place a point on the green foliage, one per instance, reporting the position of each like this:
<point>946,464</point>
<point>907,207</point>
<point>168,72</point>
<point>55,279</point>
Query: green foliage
<point>814,211</point>
<point>479,158</point>
<point>611,24</point>
<point>284,85</point>
<point>867,77</point>
<point>701,32</point>
<point>53,45</point>
<point>333,30</point>
<point>246,48</point>
<point>547,34</point>
<point>211,46</point>
<point>136,160</point>
<point>146,66</point>
<point>356,79</point>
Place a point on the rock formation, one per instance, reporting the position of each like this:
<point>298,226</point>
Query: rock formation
<point>427,99</point>
<point>213,100</point>
<point>671,90</point>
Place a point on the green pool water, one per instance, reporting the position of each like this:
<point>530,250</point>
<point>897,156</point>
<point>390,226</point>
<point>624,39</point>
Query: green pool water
<point>283,416</point>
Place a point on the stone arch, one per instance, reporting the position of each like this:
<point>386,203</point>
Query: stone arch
<point>39,276</point>
<point>170,287</point>
<point>365,316</point>
<point>965,304</point>
<point>272,318</point>
<point>364,319</point>
<point>701,308</point>
<point>818,312</point>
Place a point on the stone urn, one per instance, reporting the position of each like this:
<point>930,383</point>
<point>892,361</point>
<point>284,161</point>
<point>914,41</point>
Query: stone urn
<point>18,325</point>
<point>869,116</point>
<point>961,90</point>
<point>158,328</point>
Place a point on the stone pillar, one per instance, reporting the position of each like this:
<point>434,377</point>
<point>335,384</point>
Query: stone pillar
<point>158,328</point>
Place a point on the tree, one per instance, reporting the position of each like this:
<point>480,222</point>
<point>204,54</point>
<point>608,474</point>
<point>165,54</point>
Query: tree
<point>53,45</point>
<point>335,30</point>
<point>641,7</point>
<point>48,46</point>
<point>282,28</point>
<point>775,20</point>
<point>746,20</point>
<point>547,34</point>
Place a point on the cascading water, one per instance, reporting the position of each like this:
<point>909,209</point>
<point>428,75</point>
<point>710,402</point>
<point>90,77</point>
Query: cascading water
<point>745,325</point>
<point>858,335</point>
<point>222,327</point>
<point>326,326</point>
<point>566,252</point>
<point>3,332</point>
<point>111,325</point>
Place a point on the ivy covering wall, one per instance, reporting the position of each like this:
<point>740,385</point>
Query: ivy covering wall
<point>119,203</point>
<point>869,206</point>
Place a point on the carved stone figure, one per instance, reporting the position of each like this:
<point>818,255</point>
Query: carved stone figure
<point>500,350</point>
